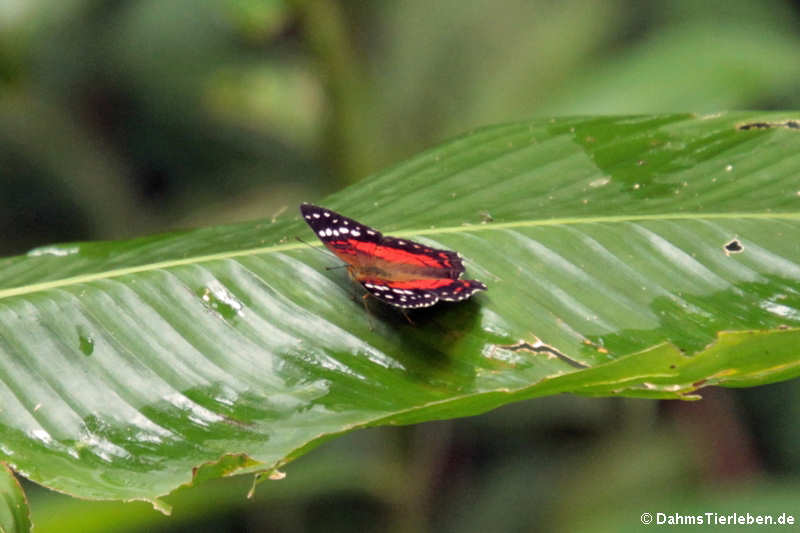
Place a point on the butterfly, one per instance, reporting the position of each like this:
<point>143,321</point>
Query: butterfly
<point>398,272</point>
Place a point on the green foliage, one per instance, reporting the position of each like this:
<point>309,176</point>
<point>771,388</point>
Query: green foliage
<point>602,241</point>
<point>14,513</point>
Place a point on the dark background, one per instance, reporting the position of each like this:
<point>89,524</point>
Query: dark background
<point>122,118</point>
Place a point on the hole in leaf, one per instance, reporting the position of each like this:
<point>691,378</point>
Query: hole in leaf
<point>733,247</point>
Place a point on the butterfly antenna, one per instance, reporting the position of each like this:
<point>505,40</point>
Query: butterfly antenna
<point>323,253</point>
<point>312,247</point>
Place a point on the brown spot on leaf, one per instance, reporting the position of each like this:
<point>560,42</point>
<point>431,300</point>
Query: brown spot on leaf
<point>789,124</point>
<point>540,347</point>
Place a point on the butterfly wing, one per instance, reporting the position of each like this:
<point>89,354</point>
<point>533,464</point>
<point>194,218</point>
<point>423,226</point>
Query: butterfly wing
<point>422,292</point>
<point>435,262</point>
<point>459,289</point>
<point>406,298</point>
<point>351,241</point>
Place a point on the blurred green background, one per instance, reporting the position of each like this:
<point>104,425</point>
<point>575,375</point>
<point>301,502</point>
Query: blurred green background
<point>122,118</point>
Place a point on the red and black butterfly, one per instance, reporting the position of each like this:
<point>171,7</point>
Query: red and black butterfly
<point>396,271</point>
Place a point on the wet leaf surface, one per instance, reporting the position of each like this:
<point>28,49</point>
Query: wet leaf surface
<point>605,244</point>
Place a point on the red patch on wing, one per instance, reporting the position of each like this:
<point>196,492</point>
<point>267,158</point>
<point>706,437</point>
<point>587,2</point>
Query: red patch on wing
<point>348,248</point>
<point>424,284</point>
<point>395,255</point>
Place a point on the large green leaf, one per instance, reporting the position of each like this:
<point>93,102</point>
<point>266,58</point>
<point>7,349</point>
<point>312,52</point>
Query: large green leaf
<point>125,365</point>
<point>15,516</point>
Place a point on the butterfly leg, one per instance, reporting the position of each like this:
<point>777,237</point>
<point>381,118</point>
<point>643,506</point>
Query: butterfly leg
<point>369,314</point>
<point>407,317</point>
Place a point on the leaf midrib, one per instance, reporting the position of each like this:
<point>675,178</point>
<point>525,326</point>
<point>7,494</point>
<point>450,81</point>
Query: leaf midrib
<point>493,226</point>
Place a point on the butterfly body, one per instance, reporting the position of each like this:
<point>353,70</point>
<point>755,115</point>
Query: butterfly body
<point>399,272</point>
